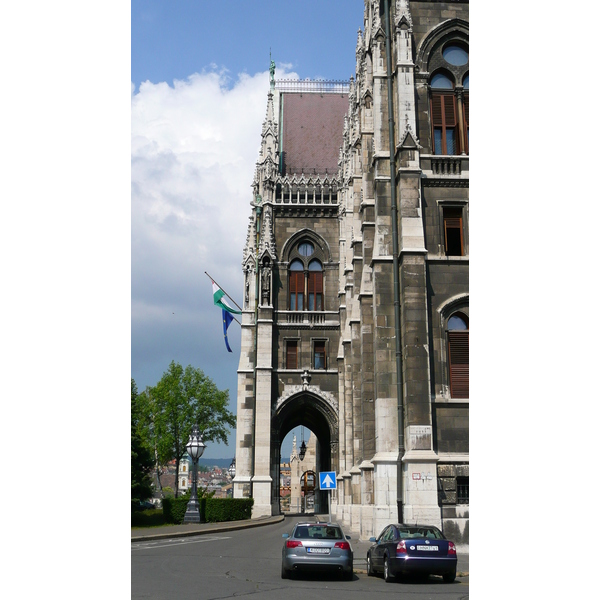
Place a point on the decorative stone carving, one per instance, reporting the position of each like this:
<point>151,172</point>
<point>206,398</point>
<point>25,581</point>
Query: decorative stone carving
<point>292,390</point>
<point>265,280</point>
<point>305,379</point>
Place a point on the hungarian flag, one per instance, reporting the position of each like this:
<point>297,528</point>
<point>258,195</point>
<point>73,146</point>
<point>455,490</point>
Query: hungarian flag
<point>219,299</point>
<point>227,318</point>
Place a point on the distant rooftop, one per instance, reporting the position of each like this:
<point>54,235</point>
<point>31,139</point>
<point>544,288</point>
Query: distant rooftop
<point>312,125</point>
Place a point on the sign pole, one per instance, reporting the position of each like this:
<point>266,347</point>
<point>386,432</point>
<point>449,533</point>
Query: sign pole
<point>329,504</point>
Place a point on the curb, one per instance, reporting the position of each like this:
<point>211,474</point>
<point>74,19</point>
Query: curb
<point>216,528</point>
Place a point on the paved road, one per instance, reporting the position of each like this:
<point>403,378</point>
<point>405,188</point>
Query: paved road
<point>248,563</point>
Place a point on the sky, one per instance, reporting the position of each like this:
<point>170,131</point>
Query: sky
<point>199,81</point>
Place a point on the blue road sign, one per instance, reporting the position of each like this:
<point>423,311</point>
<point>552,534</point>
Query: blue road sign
<point>327,480</point>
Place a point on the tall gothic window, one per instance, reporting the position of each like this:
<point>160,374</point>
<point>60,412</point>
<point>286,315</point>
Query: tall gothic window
<point>443,115</point>
<point>458,355</point>
<point>296,285</point>
<point>305,276</point>
<point>315,285</point>
<point>450,100</point>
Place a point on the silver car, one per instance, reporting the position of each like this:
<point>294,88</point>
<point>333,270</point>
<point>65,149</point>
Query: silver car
<point>317,547</point>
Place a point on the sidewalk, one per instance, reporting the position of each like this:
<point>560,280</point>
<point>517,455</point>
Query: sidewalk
<point>169,531</point>
<point>359,547</point>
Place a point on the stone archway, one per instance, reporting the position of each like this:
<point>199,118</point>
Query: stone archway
<point>316,410</point>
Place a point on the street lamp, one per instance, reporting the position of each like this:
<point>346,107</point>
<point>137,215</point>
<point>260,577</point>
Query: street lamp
<point>195,448</point>
<point>232,468</point>
<point>302,447</point>
<point>302,450</point>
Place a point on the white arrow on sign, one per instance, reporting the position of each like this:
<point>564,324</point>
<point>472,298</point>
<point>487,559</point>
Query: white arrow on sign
<point>327,481</point>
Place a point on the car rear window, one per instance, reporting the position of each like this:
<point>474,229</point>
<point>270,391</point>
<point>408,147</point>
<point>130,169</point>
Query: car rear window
<point>318,532</point>
<point>420,532</point>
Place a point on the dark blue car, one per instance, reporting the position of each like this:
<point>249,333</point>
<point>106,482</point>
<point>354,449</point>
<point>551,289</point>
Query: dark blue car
<point>412,549</point>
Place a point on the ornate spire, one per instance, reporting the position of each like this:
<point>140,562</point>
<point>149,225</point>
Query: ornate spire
<point>272,72</point>
<point>403,13</point>
<point>267,238</point>
<point>250,237</point>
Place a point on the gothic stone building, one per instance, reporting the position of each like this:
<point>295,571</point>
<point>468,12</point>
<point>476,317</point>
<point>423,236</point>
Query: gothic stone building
<point>356,305</point>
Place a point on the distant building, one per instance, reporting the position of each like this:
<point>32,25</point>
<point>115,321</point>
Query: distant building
<point>185,475</point>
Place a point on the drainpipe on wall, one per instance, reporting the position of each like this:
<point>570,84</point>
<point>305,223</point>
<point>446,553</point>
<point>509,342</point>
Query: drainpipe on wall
<point>388,53</point>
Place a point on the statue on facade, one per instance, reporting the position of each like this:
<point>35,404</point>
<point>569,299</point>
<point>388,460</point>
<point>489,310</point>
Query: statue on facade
<point>266,282</point>
<point>272,74</point>
<point>247,285</point>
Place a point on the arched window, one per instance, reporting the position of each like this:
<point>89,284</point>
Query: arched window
<point>306,275</point>
<point>296,285</point>
<point>449,86</point>
<point>315,285</point>
<point>458,355</point>
<point>443,115</point>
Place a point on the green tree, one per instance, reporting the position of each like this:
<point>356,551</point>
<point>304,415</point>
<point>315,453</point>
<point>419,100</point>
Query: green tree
<point>180,399</point>
<point>141,456</point>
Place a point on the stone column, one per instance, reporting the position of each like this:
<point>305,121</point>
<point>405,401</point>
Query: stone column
<point>262,479</point>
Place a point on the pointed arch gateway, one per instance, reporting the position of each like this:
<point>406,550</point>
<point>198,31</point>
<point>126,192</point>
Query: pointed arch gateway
<point>310,407</point>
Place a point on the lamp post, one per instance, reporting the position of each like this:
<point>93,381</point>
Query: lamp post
<point>232,473</point>
<point>195,448</point>
<point>302,446</point>
<point>302,450</point>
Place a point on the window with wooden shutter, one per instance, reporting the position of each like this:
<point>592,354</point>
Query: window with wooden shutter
<point>453,231</point>
<point>296,286</point>
<point>315,286</point>
<point>291,354</point>
<point>466,121</point>
<point>444,123</point>
<point>458,356</point>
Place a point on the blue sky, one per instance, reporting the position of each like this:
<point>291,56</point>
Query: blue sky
<point>173,40</point>
<point>199,74</point>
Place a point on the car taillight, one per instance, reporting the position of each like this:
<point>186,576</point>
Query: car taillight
<point>342,545</point>
<point>401,547</point>
<point>293,543</point>
<point>451,548</point>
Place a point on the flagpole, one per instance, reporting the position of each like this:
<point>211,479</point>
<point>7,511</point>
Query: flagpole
<point>226,295</point>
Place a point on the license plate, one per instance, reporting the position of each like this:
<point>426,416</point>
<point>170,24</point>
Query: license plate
<point>318,550</point>
<point>428,548</point>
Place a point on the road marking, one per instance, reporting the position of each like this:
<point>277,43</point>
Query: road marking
<point>175,542</point>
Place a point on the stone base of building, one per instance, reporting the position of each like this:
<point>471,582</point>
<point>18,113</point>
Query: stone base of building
<point>261,492</point>
<point>455,525</point>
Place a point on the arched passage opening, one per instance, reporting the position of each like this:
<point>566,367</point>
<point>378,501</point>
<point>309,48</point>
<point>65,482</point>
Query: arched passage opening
<point>317,414</point>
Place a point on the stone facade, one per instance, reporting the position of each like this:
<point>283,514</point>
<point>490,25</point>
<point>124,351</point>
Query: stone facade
<point>319,326</point>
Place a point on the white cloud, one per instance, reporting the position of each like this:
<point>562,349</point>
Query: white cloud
<point>194,146</point>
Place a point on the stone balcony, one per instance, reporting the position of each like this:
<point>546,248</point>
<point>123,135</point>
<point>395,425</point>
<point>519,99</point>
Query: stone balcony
<point>324,319</point>
<point>442,170</point>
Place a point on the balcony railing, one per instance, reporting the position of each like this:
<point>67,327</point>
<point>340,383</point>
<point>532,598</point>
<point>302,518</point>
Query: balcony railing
<point>308,318</point>
<point>448,165</point>
<point>314,86</point>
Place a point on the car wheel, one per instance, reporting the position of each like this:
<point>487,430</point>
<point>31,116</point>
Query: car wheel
<point>285,574</point>
<point>370,571</point>
<point>449,577</point>
<point>386,571</point>
<point>349,576</point>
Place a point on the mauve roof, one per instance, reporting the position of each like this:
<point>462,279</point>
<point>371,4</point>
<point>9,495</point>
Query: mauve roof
<point>312,132</point>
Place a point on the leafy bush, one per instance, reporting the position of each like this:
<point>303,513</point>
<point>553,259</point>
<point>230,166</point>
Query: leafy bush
<point>212,510</point>
<point>228,509</point>
<point>147,518</point>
